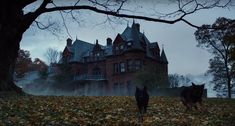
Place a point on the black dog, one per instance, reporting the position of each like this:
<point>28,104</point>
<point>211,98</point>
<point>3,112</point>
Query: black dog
<point>142,99</point>
<point>192,95</point>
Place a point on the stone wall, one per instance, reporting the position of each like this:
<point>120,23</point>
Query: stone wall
<point>171,92</point>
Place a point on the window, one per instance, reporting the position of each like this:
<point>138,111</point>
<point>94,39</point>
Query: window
<point>116,48</point>
<point>137,64</point>
<point>121,47</point>
<point>129,43</point>
<point>122,67</point>
<point>116,67</point>
<point>130,65</point>
<point>133,65</point>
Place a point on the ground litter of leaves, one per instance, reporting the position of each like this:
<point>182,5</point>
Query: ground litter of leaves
<point>111,110</point>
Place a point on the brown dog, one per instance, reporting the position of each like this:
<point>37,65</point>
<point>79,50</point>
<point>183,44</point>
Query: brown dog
<point>192,95</point>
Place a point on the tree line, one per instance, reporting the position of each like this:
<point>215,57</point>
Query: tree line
<point>24,64</point>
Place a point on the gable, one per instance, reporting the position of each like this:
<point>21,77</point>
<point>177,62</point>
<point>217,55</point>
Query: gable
<point>117,40</point>
<point>66,52</point>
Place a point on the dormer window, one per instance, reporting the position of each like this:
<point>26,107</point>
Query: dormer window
<point>121,47</point>
<point>129,43</point>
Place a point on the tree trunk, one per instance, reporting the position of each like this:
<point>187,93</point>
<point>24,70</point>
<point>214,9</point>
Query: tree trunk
<point>9,47</point>
<point>228,75</point>
<point>12,27</point>
<point>229,87</point>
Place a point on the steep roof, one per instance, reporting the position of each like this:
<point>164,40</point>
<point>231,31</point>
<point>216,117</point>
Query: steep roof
<point>163,56</point>
<point>132,34</point>
<point>108,50</point>
<point>80,49</point>
<point>126,34</point>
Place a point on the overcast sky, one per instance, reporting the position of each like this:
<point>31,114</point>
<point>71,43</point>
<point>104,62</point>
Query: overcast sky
<point>178,39</point>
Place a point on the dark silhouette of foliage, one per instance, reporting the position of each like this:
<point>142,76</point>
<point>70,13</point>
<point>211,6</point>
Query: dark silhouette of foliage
<point>64,72</point>
<point>230,39</point>
<point>23,63</point>
<point>211,38</point>
<point>151,77</point>
<point>176,80</point>
<point>41,67</point>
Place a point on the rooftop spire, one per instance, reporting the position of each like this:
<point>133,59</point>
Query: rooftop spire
<point>163,55</point>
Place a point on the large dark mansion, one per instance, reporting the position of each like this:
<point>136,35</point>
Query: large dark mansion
<point>112,66</point>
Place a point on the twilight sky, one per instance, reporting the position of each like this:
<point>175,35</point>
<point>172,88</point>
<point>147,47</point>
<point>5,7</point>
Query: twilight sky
<point>178,39</point>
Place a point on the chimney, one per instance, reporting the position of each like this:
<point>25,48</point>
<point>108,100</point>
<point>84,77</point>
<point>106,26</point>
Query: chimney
<point>69,42</point>
<point>137,25</point>
<point>109,41</point>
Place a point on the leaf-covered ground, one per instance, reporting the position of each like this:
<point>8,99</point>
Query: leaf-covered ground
<point>109,110</point>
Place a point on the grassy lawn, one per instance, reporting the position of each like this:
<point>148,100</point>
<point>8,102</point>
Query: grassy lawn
<point>111,110</point>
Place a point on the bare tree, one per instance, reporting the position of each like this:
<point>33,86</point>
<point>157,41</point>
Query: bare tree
<point>52,55</point>
<point>15,20</point>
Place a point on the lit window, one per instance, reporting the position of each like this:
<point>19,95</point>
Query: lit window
<point>122,67</point>
<point>129,43</point>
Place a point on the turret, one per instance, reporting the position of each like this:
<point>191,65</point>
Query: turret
<point>163,56</point>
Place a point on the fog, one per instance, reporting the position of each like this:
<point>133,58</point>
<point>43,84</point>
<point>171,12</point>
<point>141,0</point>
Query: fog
<point>32,84</point>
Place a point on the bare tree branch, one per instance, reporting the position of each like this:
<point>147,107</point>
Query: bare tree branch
<point>120,7</point>
<point>42,26</point>
<point>178,14</point>
<point>113,14</point>
<point>64,22</point>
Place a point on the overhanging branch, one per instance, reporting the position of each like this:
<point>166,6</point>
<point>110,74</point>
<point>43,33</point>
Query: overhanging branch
<point>117,14</point>
<point>181,12</point>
